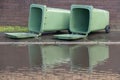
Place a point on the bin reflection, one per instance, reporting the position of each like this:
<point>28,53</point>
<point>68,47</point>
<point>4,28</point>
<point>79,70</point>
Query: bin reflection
<point>48,55</point>
<point>88,56</point>
<point>78,56</point>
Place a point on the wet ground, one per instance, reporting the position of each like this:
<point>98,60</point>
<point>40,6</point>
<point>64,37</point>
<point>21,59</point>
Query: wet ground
<point>95,36</point>
<point>59,62</point>
<point>34,61</point>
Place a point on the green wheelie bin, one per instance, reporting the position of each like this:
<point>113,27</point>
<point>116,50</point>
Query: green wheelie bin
<point>85,19</point>
<point>44,19</point>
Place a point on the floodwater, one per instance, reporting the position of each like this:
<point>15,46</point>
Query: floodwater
<point>59,62</point>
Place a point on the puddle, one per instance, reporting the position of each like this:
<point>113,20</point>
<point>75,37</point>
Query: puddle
<point>59,62</point>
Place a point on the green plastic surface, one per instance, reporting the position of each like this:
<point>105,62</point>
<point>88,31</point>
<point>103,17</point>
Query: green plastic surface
<point>43,19</point>
<point>69,36</point>
<point>20,35</point>
<point>85,19</point>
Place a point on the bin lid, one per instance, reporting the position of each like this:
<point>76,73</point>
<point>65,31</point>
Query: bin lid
<point>21,35</point>
<point>69,36</point>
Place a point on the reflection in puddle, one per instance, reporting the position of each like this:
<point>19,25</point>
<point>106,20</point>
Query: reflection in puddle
<point>88,56</point>
<point>77,56</point>
<point>47,55</point>
<point>46,62</point>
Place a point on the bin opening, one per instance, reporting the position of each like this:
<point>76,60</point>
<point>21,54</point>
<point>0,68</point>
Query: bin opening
<point>35,20</point>
<point>80,20</point>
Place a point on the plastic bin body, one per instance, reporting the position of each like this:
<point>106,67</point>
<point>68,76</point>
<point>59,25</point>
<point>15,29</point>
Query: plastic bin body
<point>85,19</point>
<point>44,19</point>
<point>99,20</point>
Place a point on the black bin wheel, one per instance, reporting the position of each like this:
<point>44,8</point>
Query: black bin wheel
<point>107,29</point>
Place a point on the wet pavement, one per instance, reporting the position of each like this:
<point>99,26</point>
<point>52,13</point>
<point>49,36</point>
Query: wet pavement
<point>95,36</point>
<point>60,61</point>
<point>71,57</point>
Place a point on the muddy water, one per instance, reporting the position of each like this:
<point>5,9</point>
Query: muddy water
<point>55,62</point>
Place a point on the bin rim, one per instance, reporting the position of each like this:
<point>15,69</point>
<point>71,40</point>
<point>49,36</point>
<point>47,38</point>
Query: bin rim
<point>43,8</point>
<point>88,7</point>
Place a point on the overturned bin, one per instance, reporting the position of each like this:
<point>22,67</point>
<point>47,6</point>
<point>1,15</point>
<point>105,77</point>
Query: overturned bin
<point>85,19</point>
<point>44,19</point>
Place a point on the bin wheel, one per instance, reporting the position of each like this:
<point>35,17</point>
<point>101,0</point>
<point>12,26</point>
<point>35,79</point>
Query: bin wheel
<point>107,29</point>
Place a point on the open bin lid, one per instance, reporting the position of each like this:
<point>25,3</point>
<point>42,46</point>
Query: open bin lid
<point>21,35</point>
<point>69,36</point>
<point>34,23</point>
